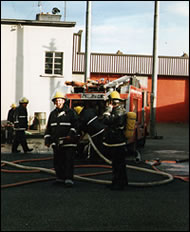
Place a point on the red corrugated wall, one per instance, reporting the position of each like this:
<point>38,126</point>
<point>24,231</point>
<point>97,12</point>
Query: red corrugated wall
<point>172,99</point>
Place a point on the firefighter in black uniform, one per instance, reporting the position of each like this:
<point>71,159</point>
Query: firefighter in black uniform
<point>10,124</point>
<point>61,133</point>
<point>11,112</point>
<point>20,126</point>
<point>115,142</point>
<point>90,123</point>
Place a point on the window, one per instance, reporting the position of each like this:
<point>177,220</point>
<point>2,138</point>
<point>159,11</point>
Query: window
<point>54,63</point>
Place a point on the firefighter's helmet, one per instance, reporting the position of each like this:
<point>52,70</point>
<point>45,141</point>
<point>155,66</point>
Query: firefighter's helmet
<point>58,95</point>
<point>23,100</point>
<point>13,105</point>
<point>115,96</point>
<point>78,109</point>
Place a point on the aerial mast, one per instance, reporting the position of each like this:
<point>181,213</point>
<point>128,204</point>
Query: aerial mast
<point>153,132</point>
<point>87,41</point>
<point>40,6</point>
<point>64,10</point>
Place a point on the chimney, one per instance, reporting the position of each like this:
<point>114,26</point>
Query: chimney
<point>48,17</point>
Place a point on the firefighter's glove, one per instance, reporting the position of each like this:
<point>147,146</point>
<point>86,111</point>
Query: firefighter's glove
<point>47,144</point>
<point>71,139</point>
<point>108,110</point>
<point>67,138</point>
<point>47,141</point>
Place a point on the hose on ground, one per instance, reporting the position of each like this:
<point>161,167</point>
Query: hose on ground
<point>142,184</point>
<point>83,178</point>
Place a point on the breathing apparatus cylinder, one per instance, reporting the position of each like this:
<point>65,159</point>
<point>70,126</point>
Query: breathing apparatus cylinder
<point>130,126</point>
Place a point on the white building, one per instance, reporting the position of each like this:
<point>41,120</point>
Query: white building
<point>36,60</point>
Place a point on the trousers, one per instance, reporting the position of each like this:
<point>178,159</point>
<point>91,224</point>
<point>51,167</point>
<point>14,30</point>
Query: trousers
<point>119,170</point>
<point>64,162</point>
<point>19,138</point>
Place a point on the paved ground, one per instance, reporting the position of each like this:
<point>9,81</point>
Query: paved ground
<point>45,206</point>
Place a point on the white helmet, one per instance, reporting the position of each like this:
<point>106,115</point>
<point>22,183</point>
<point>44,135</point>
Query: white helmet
<point>23,100</point>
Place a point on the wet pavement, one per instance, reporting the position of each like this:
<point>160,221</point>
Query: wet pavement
<point>46,206</point>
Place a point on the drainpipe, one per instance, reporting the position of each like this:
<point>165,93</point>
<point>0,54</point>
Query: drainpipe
<point>153,132</point>
<point>87,41</point>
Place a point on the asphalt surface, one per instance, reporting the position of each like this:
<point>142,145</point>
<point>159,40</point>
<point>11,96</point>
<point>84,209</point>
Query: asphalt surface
<point>47,206</point>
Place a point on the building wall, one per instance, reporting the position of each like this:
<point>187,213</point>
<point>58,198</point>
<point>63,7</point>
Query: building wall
<point>8,69</point>
<point>172,99</point>
<point>23,62</point>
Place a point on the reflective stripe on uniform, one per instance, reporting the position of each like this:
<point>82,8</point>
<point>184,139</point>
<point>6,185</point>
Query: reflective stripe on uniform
<point>121,127</point>
<point>19,129</point>
<point>99,132</point>
<point>73,129</point>
<point>65,123</point>
<point>114,145</point>
<point>61,113</point>
<point>91,120</point>
<point>69,145</point>
<point>53,124</point>
<point>106,113</point>
<point>46,136</point>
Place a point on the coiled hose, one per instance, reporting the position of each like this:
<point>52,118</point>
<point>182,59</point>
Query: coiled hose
<point>99,181</point>
<point>140,184</point>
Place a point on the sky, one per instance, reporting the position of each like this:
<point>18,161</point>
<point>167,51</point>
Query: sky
<point>118,25</point>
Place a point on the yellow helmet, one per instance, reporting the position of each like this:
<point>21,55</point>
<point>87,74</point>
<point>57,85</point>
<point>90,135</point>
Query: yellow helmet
<point>13,105</point>
<point>24,100</point>
<point>115,95</point>
<point>78,109</point>
<point>58,95</point>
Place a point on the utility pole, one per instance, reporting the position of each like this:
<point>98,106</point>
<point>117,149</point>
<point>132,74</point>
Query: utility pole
<point>153,132</point>
<point>87,41</point>
<point>64,10</point>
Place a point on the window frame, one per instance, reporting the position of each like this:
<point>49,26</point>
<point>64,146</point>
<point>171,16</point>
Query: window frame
<point>53,68</point>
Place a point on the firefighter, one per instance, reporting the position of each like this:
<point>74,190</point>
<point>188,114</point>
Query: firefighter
<point>10,113</point>
<point>10,124</point>
<point>114,140</point>
<point>20,117</point>
<point>91,124</point>
<point>61,133</point>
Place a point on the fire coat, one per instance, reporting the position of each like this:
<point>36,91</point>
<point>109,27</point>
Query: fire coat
<point>90,123</point>
<point>115,120</point>
<point>62,128</point>
<point>20,118</point>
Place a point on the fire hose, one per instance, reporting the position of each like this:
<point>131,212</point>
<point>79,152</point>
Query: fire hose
<point>140,184</point>
<point>99,181</point>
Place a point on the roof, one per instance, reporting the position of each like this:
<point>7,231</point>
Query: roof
<point>128,64</point>
<point>38,23</point>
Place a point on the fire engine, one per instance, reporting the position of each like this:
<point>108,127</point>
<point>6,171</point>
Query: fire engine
<point>134,99</point>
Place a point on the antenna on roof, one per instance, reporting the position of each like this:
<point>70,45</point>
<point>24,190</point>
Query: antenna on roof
<point>40,6</point>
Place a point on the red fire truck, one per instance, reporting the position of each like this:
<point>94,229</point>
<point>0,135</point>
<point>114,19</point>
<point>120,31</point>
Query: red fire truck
<point>134,96</point>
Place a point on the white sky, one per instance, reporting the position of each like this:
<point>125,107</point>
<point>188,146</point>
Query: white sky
<point>118,25</point>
